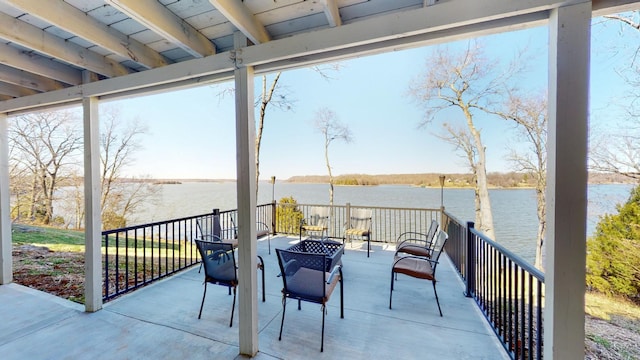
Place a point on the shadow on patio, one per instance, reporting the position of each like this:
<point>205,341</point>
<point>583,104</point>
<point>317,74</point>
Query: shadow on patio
<point>161,320</point>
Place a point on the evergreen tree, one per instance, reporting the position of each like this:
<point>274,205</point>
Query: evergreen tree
<point>613,254</point>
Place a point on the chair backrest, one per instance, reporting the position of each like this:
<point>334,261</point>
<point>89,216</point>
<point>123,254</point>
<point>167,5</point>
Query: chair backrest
<point>303,274</point>
<point>433,230</point>
<point>209,226</point>
<point>219,261</point>
<point>438,246</point>
<point>360,219</point>
<point>319,216</point>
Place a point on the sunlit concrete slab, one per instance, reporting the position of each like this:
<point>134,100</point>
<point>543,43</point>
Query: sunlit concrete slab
<point>161,320</point>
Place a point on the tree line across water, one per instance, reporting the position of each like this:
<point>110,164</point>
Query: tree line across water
<point>495,179</point>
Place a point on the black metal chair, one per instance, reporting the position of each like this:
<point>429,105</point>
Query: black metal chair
<point>220,268</point>
<point>262,230</point>
<point>210,229</point>
<point>417,243</point>
<point>419,267</point>
<point>359,224</point>
<point>305,278</point>
<point>317,222</point>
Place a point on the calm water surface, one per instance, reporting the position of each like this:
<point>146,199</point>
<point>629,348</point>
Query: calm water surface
<point>514,211</point>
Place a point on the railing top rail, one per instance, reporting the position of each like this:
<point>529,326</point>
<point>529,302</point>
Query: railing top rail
<point>162,222</point>
<point>455,219</point>
<point>370,207</point>
<point>515,258</point>
<point>134,227</point>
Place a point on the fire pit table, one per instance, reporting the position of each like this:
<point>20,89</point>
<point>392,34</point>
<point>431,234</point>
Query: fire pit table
<point>332,249</point>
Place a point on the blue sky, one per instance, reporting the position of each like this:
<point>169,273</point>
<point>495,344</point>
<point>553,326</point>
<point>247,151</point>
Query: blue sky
<point>192,132</point>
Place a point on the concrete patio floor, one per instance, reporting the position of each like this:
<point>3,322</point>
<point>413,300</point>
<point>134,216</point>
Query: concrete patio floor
<point>160,321</point>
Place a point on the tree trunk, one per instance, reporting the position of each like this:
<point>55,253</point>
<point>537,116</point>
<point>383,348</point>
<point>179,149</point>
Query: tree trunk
<point>326,159</point>
<point>484,215</point>
<point>542,223</point>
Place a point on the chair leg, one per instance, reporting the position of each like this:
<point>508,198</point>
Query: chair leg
<point>324,310</point>
<point>437,301</point>
<point>269,242</point>
<point>341,297</point>
<point>368,244</point>
<point>391,291</point>
<point>233,307</point>
<point>261,266</point>
<point>284,309</point>
<point>203,296</point>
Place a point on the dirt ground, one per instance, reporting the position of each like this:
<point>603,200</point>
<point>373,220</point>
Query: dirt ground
<point>62,274</point>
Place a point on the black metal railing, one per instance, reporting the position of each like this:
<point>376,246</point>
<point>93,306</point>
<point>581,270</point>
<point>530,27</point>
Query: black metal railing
<point>508,290</point>
<point>138,255</point>
<point>387,222</point>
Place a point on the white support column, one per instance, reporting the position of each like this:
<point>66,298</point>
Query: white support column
<point>6,271</point>
<point>569,51</point>
<point>93,222</point>
<point>246,186</point>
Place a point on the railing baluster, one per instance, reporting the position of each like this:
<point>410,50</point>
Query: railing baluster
<point>504,289</point>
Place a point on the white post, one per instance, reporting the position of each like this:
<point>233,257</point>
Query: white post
<point>569,52</point>
<point>246,187</point>
<point>6,263</point>
<point>92,191</point>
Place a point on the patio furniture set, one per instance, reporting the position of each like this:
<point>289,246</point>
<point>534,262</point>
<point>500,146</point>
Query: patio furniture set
<point>311,269</point>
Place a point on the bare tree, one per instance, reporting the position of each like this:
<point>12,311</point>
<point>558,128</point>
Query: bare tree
<point>279,99</point>
<point>617,150</point>
<point>119,141</point>
<point>46,144</point>
<point>327,123</point>
<point>469,82</point>
<point>462,141</point>
<point>530,114</point>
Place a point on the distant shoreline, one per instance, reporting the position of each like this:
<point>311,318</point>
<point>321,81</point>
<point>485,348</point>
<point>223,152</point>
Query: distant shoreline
<point>508,181</point>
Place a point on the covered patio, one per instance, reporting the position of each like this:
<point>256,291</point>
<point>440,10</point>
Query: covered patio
<point>72,52</point>
<point>161,320</point>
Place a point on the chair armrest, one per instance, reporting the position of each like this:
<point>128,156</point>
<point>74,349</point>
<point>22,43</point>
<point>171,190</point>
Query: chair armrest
<point>291,267</point>
<point>209,238</point>
<point>262,225</point>
<point>401,258</point>
<point>233,231</point>
<point>412,235</point>
<point>336,270</point>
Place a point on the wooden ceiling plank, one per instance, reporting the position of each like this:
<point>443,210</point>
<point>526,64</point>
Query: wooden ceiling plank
<point>31,37</point>
<point>159,19</point>
<point>22,78</point>
<point>39,65</point>
<point>240,16</point>
<point>15,90</point>
<point>62,15</point>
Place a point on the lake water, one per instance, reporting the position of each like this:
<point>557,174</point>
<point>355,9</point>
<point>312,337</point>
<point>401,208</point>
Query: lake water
<point>514,211</point>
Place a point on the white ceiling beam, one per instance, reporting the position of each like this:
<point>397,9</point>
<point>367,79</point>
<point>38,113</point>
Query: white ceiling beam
<point>607,7</point>
<point>39,65</point>
<point>28,80</point>
<point>384,33</point>
<point>31,37</point>
<point>445,16</point>
<point>240,16</point>
<point>519,22</point>
<point>156,17</point>
<point>60,14</point>
<point>332,12</point>
<point>196,71</point>
<point>15,90</point>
